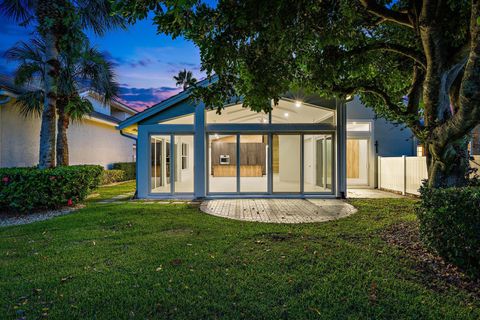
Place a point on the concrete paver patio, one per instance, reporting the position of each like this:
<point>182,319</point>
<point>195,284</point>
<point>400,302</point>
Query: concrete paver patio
<point>279,210</point>
<point>371,194</point>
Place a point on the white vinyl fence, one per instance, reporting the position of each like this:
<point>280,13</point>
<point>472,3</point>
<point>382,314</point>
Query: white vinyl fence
<point>405,174</point>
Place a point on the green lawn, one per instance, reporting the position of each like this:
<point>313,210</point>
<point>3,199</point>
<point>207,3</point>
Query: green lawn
<point>145,261</point>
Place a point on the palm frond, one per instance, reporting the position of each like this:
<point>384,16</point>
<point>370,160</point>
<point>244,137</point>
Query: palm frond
<point>77,108</point>
<point>99,16</point>
<point>20,11</point>
<point>95,69</point>
<point>24,51</point>
<point>30,103</point>
<point>27,74</point>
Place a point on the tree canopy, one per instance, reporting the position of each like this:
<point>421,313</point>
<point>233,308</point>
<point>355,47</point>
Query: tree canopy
<point>414,61</point>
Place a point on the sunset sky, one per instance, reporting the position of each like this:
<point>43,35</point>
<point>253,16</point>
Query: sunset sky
<point>145,62</point>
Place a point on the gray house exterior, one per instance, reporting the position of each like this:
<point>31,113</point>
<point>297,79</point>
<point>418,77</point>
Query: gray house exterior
<point>306,147</point>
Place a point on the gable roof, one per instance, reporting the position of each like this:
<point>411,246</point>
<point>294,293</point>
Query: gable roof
<point>115,102</point>
<point>167,103</point>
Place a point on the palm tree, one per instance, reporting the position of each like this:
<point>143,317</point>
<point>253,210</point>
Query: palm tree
<point>185,79</point>
<point>90,68</point>
<point>58,22</point>
<point>84,69</point>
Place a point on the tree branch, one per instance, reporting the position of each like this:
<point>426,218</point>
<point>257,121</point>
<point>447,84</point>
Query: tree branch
<point>415,92</point>
<point>387,14</point>
<point>405,51</point>
<point>468,114</point>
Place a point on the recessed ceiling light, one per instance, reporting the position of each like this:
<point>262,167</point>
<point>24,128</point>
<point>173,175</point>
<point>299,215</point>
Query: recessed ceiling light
<point>286,114</point>
<point>265,120</point>
<point>298,104</point>
<point>216,135</point>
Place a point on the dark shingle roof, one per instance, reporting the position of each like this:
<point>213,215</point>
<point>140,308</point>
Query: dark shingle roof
<point>105,117</point>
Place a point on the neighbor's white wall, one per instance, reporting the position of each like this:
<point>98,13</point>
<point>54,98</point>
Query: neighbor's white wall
<point>89,142</point>
<point>19,138</point>
<point>96,143</point>
<point>289,165</point>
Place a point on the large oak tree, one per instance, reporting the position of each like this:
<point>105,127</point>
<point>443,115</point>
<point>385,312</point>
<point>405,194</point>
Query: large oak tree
<point>414,61</point>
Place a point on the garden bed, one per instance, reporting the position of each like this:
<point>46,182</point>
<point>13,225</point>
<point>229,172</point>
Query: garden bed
<point>431,268</point>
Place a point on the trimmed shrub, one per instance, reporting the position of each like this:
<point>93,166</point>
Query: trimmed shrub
<point>112,176</point>
<point>27,189</point>
<point>450,225</point>
<point>128,167</point>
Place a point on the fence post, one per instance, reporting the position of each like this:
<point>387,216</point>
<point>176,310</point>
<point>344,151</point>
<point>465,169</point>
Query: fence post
<point>404,189</point>
<point>379,172</point>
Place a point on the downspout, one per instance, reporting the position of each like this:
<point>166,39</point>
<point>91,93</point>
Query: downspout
<point>136,160</point>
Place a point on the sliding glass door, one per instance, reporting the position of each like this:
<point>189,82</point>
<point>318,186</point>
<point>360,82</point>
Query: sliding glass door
<point>253,163</point>
<point>270,163</point>
<point>318,163</point>
<point>171,164</point>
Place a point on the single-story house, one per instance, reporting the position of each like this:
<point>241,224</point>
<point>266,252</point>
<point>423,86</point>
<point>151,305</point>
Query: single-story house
<point>94,140</point>
<point>307,146</point>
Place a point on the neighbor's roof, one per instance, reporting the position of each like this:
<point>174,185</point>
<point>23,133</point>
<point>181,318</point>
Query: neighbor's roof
<point>167,103</point>
<point>7,83</point>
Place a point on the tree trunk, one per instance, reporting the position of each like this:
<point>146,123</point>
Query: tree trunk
<point>47,131</point>
<point>447,167</point>
<point>62,140</point>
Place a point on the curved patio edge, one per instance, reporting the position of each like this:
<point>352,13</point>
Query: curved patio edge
<point>279,210</point>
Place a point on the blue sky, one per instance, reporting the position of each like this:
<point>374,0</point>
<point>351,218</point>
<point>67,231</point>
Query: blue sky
<point>145,61</point>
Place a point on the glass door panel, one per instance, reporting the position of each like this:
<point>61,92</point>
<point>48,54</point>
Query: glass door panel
<point>183,159</point>
<point>253,163</point>
<point>222,166</point>
<point>286,163</point>
<point>160,164</point>
<point>317,163</point>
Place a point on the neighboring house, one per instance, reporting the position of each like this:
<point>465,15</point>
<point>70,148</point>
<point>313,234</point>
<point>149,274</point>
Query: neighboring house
<point>307,146</point>
<point>91,141</point>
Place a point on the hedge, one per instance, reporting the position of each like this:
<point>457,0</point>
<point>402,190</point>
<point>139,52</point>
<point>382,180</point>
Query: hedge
<point>450,225</point>
<point>112,176</point>
<point>128,167</point>
<point>29,189</point>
